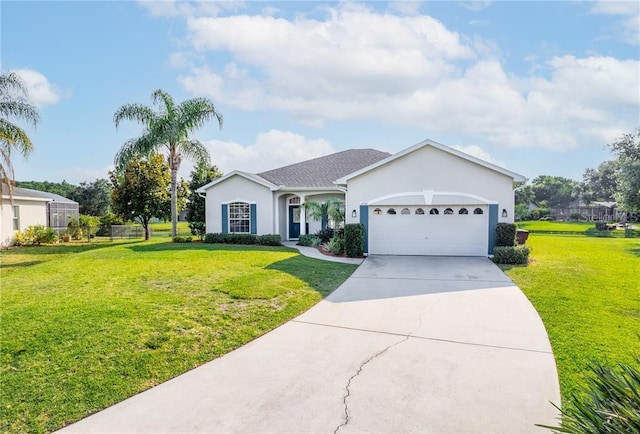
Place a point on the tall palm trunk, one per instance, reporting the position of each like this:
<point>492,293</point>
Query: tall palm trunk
<point>174,165</point>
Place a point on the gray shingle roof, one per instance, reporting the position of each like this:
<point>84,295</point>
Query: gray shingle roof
<point>323,171</point>
<point>36,194</point>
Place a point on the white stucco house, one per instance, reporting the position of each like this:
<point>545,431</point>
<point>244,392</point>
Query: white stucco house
<point>428,199</point>
<point>33,207</point>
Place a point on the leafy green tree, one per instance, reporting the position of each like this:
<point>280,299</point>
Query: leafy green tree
<point>142,191</point>
<point>627,148</point>
<point>89,225</point>
<point>525,195</point>
<point>168,128</point>
<point>554,190</point>
<point>200,175</point>
<point>600,183</point>
<point>14,105</point>
<point>94,197</point>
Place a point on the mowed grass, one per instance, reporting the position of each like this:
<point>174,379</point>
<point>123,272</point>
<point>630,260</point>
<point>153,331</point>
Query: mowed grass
<point>536,225</point>
<point>163,229</point>
<point>587,292</point>
<point>85,326</point>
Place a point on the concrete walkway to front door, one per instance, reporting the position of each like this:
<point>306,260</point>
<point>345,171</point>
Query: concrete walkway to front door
<point>407,344</point>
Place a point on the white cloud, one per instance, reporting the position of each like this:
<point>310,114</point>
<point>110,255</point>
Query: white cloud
<point>176,8</point>
<point>409,70</point>
<point>271,149</point>
<point>406,7</point>
<point>628,28</point>
<point>40,91</point>
<point>478,152</point>
<point>475,5</point>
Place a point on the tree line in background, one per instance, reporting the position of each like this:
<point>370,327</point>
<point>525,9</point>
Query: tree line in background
<point>617,180</point>
<point>138,193</point>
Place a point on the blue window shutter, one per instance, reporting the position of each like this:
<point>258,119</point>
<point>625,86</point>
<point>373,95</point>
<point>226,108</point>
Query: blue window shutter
<point>493,223</point>
<point>254,229</point>
<point>225,218</point>
<point>364,219</point>
<point>325,222</point>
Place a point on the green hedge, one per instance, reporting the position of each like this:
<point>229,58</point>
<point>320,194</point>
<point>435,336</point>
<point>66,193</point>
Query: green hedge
<point>511,254</point>
<point>308,240</point>
<point>264,240</point>
<point>354,239</point>
<point>182,239</point>
<point>506,234</point>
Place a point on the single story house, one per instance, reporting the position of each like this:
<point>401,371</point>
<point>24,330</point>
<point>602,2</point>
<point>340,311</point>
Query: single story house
<point>428,199</point>
<point>33,207</point>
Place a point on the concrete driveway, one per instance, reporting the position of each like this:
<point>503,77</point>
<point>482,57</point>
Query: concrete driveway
<point>407,344</point>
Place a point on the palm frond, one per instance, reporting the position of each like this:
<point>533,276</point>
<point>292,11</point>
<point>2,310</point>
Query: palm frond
<point>134,112</point>
<point>10,82</point>
<point>134,148</point>
<point>15,137</point>
<point>196,112</point>
<point>195,151</point>
<point>168,106</point>
<point>19,108</point>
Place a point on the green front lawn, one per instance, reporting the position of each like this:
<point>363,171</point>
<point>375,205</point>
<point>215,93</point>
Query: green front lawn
<point>552,226</point>
<point>86,326</point>
<point>587,292</point>
<point>163,229</point>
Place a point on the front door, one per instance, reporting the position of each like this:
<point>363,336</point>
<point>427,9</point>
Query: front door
<point>294,222</point>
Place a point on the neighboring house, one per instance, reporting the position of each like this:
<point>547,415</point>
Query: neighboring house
<point>426,200</point>
<point>32,207</point>
<point>592,211</point>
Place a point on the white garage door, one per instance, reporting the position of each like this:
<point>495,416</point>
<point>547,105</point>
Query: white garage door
<point>448,230</point>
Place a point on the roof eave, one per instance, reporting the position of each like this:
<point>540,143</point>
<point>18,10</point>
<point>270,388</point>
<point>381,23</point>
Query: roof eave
<point>248,176</point>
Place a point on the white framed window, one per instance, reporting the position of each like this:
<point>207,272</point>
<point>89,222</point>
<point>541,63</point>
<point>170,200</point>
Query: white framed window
<point>295,200</point>
<point>16,218</point>
<point>239,218</point>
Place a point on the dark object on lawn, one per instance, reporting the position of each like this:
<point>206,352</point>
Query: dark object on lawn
<point>522,235</point>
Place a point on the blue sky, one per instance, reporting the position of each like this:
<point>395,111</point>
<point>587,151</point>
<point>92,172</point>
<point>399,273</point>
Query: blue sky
<point>536,87</point>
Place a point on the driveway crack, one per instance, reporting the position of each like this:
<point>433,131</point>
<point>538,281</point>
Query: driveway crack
<point>348,386</point>
<point>361,367</point>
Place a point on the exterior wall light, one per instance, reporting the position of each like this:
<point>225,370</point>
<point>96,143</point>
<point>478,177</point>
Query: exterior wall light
<point>354,214</point>
<point>504,212</point>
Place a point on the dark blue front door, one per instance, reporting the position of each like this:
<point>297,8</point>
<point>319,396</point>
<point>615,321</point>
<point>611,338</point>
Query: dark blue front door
<point>294,221</point>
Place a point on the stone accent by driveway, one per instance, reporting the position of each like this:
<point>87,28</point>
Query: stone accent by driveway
<point>407,344</point>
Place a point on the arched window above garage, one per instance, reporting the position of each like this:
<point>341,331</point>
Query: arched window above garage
<point>391,211</point>
<point>478,211</point>
<point>463,211</point>
<point>377,211</point>
<point>405,211</point>
<point>448,211</point>
<point>420,211</point>
<point>434,211</point>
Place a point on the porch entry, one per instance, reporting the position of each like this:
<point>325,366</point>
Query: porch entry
<point>294,222</point>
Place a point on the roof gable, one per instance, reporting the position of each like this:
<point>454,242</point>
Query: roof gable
<point>515,176</point>
<point>323,171</point>
<point>249,176</point>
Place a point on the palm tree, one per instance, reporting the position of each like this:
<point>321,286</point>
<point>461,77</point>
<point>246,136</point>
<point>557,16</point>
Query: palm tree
<point>168,128</point>
<point>329,209</point>
<point>13,104</point>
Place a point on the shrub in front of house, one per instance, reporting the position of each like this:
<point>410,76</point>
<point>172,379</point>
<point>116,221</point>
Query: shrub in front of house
<point>309,240</point>
<point>354,240</point>
<point>325,234</point>
<point>514,255</point>
<point>269,240</point>
<point>265,240</point>
<point>505,235</point>
<point>631,233</point>
<point>335,245</point>
<point>35,235</point>
<point>182,239</point>
<point>601,226</point>
<point>198,229</point>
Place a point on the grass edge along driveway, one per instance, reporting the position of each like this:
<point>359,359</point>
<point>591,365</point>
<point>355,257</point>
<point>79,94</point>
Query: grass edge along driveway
<point>587,293</point>
<point>84,327</point>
